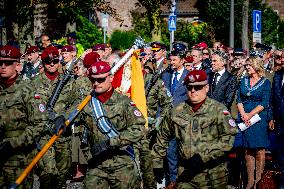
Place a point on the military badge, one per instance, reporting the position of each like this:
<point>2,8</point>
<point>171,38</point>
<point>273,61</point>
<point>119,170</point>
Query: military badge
<point>232,123</point>
<point>137,113</point>
<point>94,69</point>
<point>41,107</point>
<point>191,79</point>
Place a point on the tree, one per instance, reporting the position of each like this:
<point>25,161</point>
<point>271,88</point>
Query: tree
<point>153,8</point>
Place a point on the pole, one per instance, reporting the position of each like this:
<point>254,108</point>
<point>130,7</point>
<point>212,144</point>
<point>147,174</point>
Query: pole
<point>104,35</point>
<point>172,35</point>
<point>232,24</point>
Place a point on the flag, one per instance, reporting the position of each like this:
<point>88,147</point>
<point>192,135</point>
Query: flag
<point>129,81</point>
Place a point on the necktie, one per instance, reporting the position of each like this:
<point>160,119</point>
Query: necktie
<point>175,82</point>
<point>214,83</point>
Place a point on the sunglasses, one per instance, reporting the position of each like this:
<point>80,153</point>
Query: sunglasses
<point>49,61</point>
<point>205,53</point>
<point>99,80</point>
<point>195,87</point>
<point>278,57</point>
<point>7,63</point>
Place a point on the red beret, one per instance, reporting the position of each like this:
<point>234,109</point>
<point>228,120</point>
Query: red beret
<point>196,77</point>
<point>32,49</point>
<point>91,58</point>
<point>189,59</point>
<point>99,47</point>
<point>8,52</point>
<point>67,48</point>
<point>97,68</point>
<point>50,52</point>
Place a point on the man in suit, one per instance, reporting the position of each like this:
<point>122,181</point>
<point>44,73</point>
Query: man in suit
<point>197,56</point>
<point>222,84</point>
<point>278,115</point>
<point>173,80</point>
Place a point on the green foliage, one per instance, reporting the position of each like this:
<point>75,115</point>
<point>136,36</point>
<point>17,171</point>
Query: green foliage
<point>217,14</point>
<point>87,33</point>
<point>122,39</point>
<point>193,33</point>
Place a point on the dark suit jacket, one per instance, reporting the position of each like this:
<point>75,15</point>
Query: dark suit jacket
<point>278,97</point>
<point>225,89</point>
<point>180,94</point>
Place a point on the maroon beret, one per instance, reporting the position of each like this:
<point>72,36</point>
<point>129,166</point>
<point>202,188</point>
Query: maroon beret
<point>8,52</point>
<point>97,68</point>
<point>99,47</point>
<point>67,48</point>
<point>50,52</point>
<point>189,59</point>
<point>32,49</point>
<point>196,77</point>
<point>91,58</point>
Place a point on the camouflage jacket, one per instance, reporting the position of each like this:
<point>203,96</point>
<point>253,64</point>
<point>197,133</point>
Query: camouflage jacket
<point>158,97</point>
<point>44,88</point>
<point>208,132</point>
<point>22,115</point>
<point>124,116</point>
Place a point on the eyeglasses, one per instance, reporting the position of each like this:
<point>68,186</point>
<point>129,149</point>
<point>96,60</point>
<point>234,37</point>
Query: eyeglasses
<point>99,80</point>
<point>205,53</point>
<point>49,61</point>
<point>7,63</point>
<point>195,87</point>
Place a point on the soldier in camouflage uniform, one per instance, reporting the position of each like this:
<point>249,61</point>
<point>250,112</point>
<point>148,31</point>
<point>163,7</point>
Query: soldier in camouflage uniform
<point>54,167</point>
<point>22,118</point>
<point>159,101</point>
<point>204,130</point>
<point>33,66</point>
<point>110,165</point>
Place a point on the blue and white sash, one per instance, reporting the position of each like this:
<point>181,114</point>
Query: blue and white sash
<point>104,125</point>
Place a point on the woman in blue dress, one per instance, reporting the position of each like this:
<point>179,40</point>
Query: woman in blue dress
<point>253,98</point>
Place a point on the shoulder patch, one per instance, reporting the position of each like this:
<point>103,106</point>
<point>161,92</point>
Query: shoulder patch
<point>41,107</point>
<point>226,112</point>
<point>137,113</point>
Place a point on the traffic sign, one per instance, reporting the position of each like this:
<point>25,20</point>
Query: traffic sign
<point>256,17</point>
<point>172,23</point>
<point>256,37</point>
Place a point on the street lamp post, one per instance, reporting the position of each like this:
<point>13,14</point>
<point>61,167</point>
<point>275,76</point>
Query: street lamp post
<point>232,24</point>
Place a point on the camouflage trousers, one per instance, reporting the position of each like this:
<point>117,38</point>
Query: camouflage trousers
<point>13,169</point>
<point>215,178</point>
<point>146,163</point>
<point>115,173</point>
<point>55,166</point>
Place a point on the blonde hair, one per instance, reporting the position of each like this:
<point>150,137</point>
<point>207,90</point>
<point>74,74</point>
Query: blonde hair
<point>257,64</point>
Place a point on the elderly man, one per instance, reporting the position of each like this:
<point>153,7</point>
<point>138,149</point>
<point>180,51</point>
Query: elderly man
<point>204,130</point>
<point>33,66</point>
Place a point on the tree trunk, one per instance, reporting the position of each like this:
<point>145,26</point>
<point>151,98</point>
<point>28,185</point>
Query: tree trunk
<point>156,21</point>
<point>40,19</point>
<point>245,41</point>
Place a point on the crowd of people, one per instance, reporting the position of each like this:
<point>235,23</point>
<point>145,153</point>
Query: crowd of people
<point>203,105</point>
